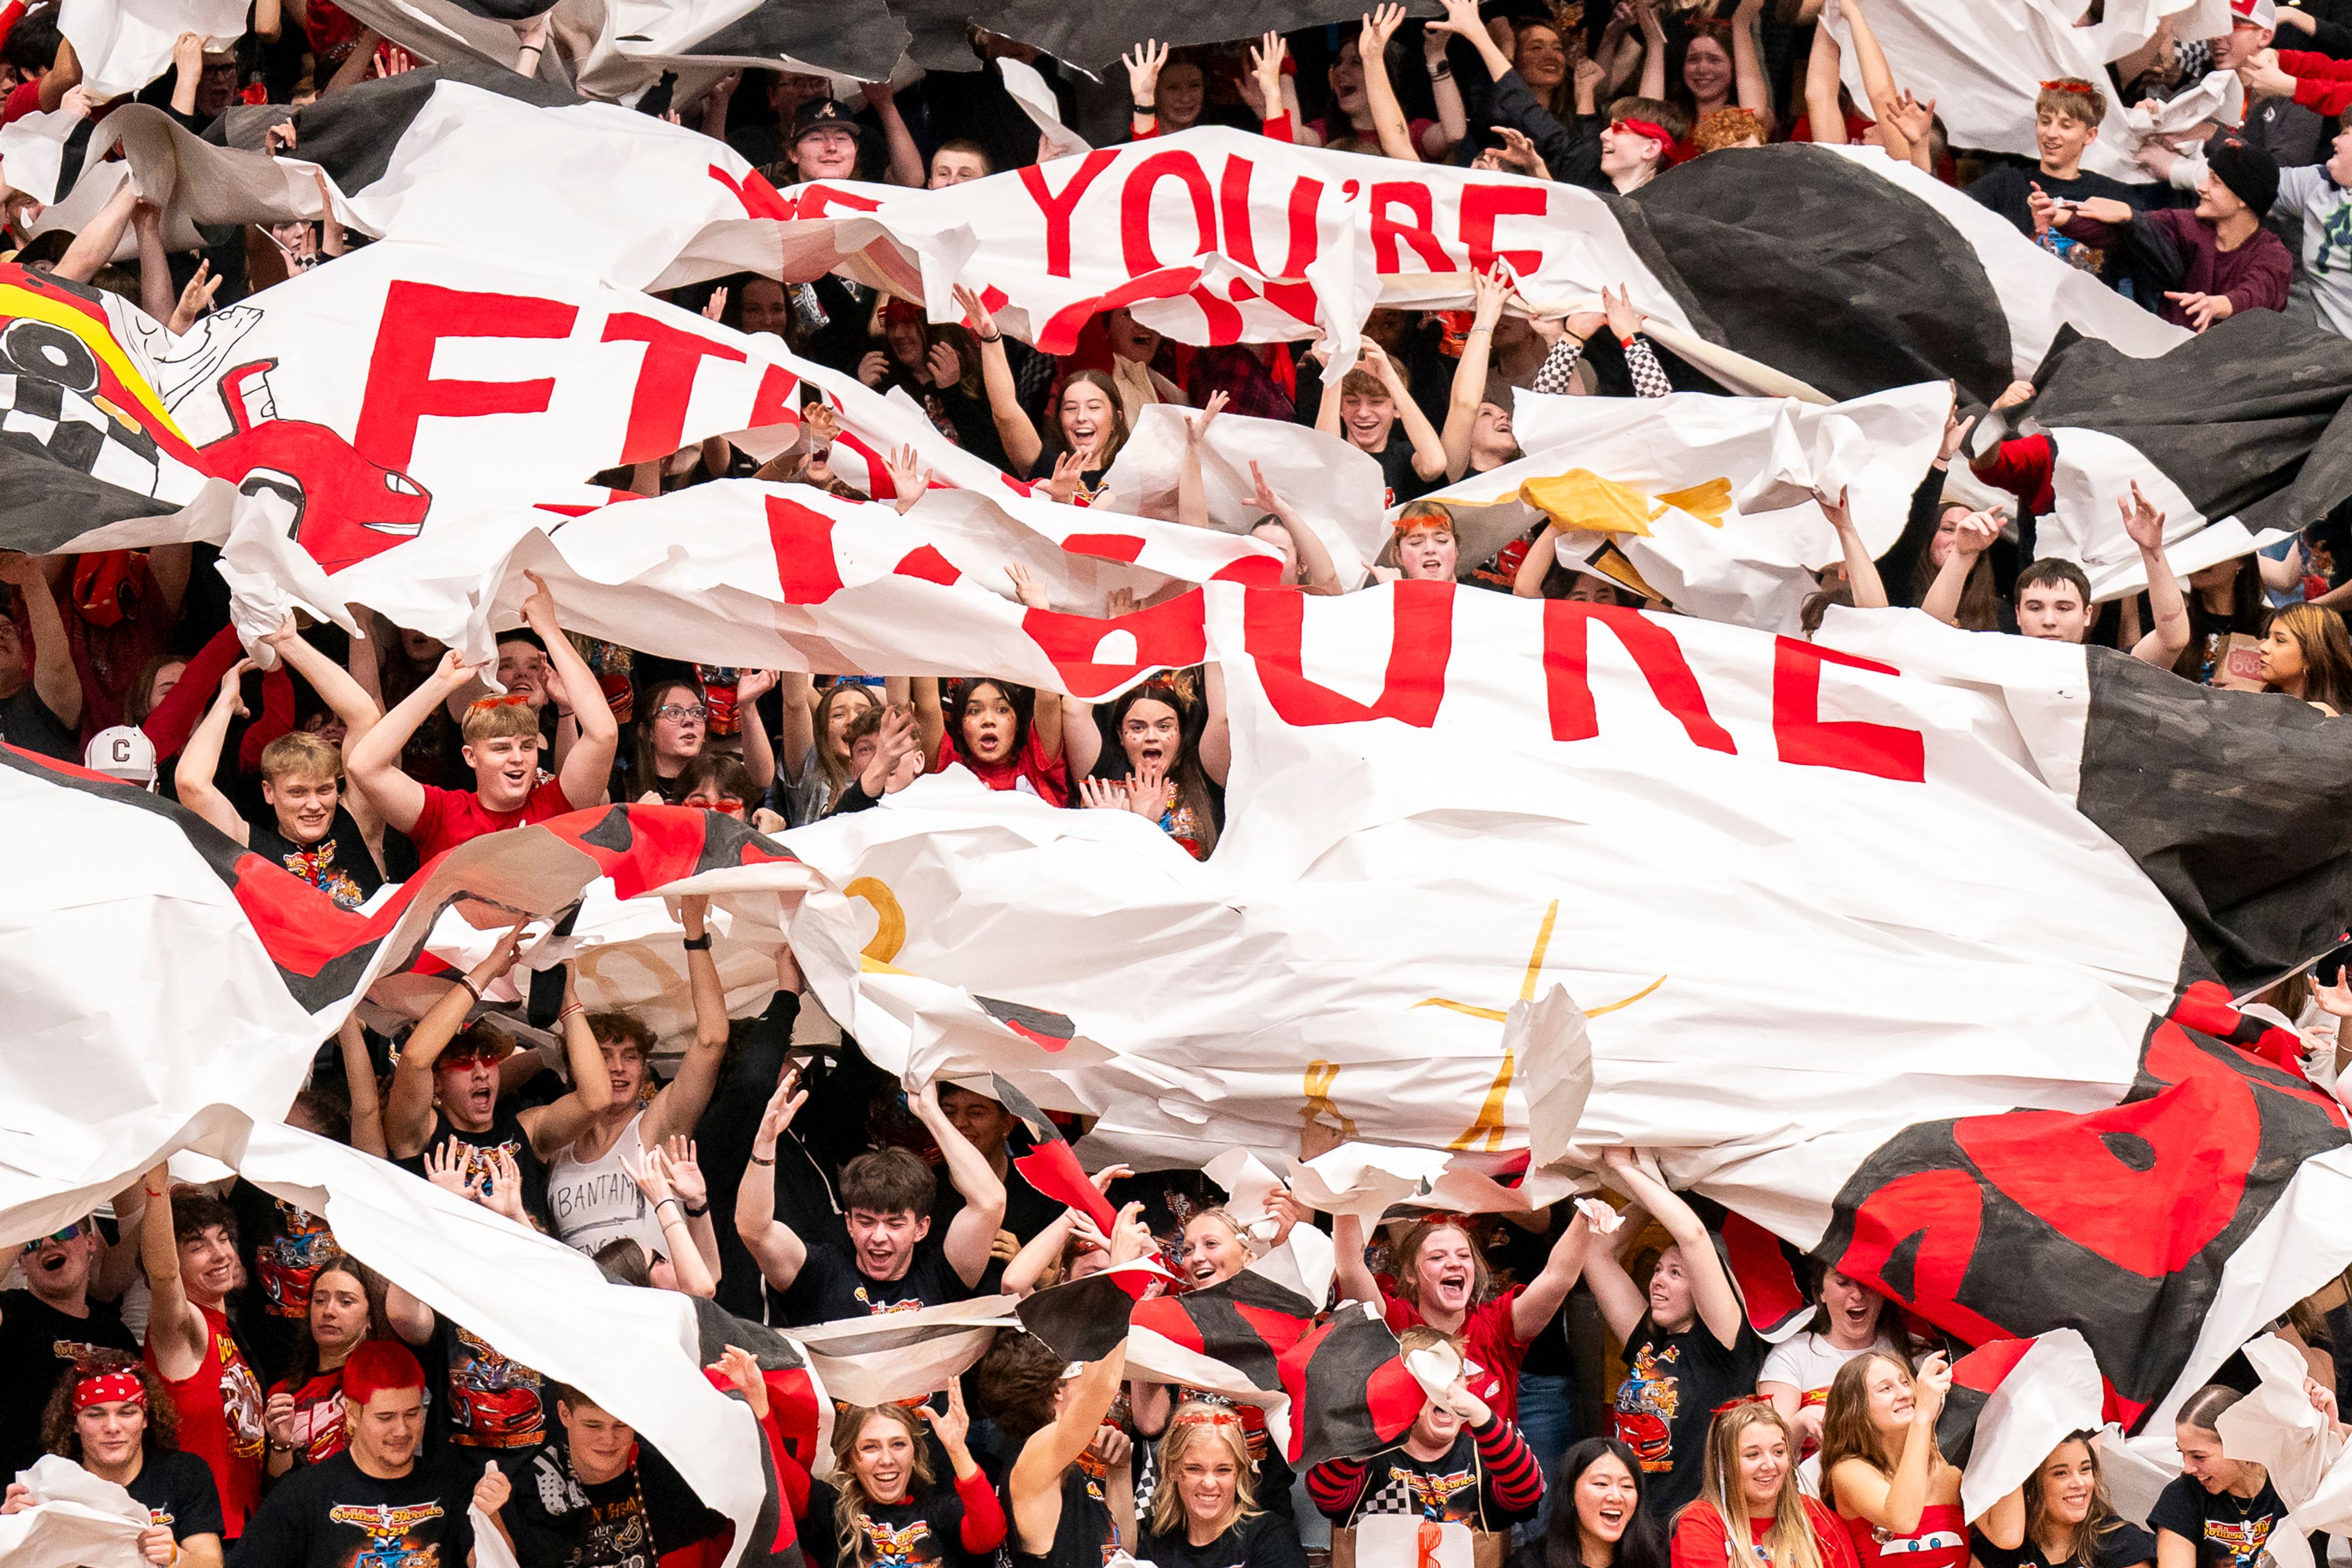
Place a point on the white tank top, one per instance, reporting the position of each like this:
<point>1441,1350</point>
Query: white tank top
<point>594,1201</point>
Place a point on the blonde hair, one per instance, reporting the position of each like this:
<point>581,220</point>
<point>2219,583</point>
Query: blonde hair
<point>849,1499</point>
<point>496,717</point>
<point>1193,1424</point>
<point>1790,1542</point>
<point>300,753</point>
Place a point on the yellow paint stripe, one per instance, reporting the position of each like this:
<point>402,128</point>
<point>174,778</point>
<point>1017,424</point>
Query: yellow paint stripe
<point>24,302</point>
<point>1628,1002</point>
<point>1462,1007</point>
<point>1535,959</point>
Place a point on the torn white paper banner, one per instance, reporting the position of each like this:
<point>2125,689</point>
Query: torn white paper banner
<point>1335,488</point>
<point>1248,1183</point>
<point>1365,1180</point>
<point>2054,1389</point>
<point>1603,1218</point>
<point>76,1520</point>
<point>490,1548</point>
<point>1393,1541</point>
<point>2219,99</point>
<point>1436,1369</point>
<point>123,47</point>
<point>2277,1426</point>
<point>897,1356</point>
<point>33,152</point>
<point>1030,89</point>
<point>2092,470</point>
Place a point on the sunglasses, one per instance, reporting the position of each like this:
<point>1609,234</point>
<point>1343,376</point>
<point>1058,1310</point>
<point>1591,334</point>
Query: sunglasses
<point>467,1059</point>
<point>70,1233</point>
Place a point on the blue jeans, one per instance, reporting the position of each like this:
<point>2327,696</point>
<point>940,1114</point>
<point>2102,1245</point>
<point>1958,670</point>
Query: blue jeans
<point>1547,1421</point>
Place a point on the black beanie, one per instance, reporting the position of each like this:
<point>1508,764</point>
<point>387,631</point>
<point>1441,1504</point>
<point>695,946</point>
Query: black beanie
<point>2251,173</point>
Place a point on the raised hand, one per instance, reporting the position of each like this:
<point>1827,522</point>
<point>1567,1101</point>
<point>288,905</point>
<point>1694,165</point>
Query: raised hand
<point>232,688</point>
<point>874,368</point>
<point>2015,393</point>
<point>194,300</point>
<point>1102,795</point>
<point>1915,119</point>
<point>1929,1389</point>
<point>908,478</point>
<point>782,1106</point>
<point>1976,532</point>
<point>2142,522</point>
<point>1381,23</point>
<point>1520,153</point>
<point>741,1368</point>
<point>444,1167</point>
<point>952,1425</point>
<point>503,1193</point>
<point>1147,797</point>
<point>1069,473</point>
<point>490,1493</point>
<point>714,308</point>
<point>1143,64</point>
<point>1131,1238</point>
<point>1488,292</point>
<point>1956,434</point>
<point>651,1172</point>
<point>945,364</point>
<point>1197,430</point>
<point>1119,602</point>
<point>1618,307</point>
<point>976,314</point>
<point>1027,589</point>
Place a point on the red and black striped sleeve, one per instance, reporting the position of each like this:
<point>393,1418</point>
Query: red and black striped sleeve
<point>1336,1485</point>
<point>1513,1479</point>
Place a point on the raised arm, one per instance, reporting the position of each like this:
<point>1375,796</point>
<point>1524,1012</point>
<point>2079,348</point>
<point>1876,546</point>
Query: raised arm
<point>906,160</point>
<point>972,1235</point>
<point>1823,115</point>
<point>200,758</point>
<point>1021,443</point>
<point>359,1082</point>
<point>175,1329</point>
<point>554,1128</point>
<point>1034,1484</point>
<point>797,738</point>
<point>1428,446</point>
<point>1316,574</point>
<point>758,752</point>
<point>773,1245</point>
<point>1349,1272</point>
<point>1541,1297</point>
<point>1489,288</point>
<point>1217,730</point>
<point>94,245</point>
<point>373,764</point>
<point>649,1169</point>
<point>1444,94</point>
<point>2003,1523</point>
<point>681,1101</point>
<point>408,1107</point>
<point>55,680</point>
<point>1894,1503</point>
<point>1379,94</point>
<point>1144,63</point>
<point>1878,80</point>
<point>1974,537</point>
<point>589,766</point>
<point>2169,638</point>
<point>1653,49</point>
<point>1191,490</point>
<point>156,295</point>
<point>1038,1254</point>
<point>1711,1291</point>
<point>1860,571</point>
<point>351,703</point>
<point>1746,64</point>
<point>1081,739</point>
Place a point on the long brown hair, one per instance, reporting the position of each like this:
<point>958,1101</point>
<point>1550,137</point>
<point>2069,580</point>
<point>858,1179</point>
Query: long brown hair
<point>836,770</point>
<point>849,1501</point>
<point>2101,1517</point>
<point>642,775</point>
<point>2326,650</point>
<point>1790,1541</point>
<point>1100,379</point>
<point>1193,1424</point>
<point>1189,779</point>
<point>1846,1431</point>
<point>1980,608</point>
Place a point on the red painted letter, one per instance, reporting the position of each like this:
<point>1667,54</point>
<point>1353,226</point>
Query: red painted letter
<point>1882,751</point>
<point>1568,685</point>
<point>1135,209</point>
<point>1480,206</point>
<point>400,385</point>
<point>1422,231</point>
<point>664,381</point>
<point>1273,623</point>
<point>802,541</point>
<point>1057,208</point>
<point>1171,635</point>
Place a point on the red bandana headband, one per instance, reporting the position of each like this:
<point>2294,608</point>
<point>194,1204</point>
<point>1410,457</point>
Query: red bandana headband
<point>1648,128</point>
<point>105,1385</point>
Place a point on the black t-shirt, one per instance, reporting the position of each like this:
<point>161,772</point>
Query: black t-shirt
<point>830,1286</point>
<point>558,1521</point>
<point>177,1490</point>
<point>38,1345</point>
<point>1268,1541</point>
<point>338,865</point>
<point>1673,1384</point>
<point>335,1515</point>
<point>916,1533</point>
<point>283,1245</point>
<point>1085,1530</point>
<point>27,723</point>
<point>505,1131</point>
<point>1090,481</point>
<point>1396,469</point>
<point>2122,1545</point>
<point>2239,1528</point>
<point>1027,1211</point>
<point>2006,190</point>
<point>482,1401</point>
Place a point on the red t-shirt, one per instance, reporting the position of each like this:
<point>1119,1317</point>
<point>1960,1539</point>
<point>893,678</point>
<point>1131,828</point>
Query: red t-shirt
<point>1494,1344</point>
<point>1701,1541</point>
<point>451,816</point>
<point>220,1406</point>
<point>26,99</point>
<point>1048,778</point>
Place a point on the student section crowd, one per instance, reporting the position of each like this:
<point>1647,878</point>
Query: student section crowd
<point>274,1403</point>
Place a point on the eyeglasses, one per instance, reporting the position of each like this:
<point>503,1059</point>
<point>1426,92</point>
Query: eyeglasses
<point>675,711</point>
<point>70,1233</point>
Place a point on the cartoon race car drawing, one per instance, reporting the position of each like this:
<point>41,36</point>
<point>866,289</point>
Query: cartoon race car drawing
<point>346,508</point>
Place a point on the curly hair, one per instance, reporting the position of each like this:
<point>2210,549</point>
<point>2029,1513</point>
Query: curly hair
<point>60,1434</point>
<point>1016,1383</point>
